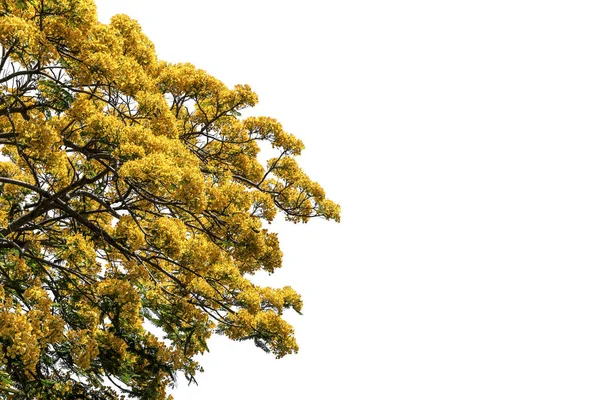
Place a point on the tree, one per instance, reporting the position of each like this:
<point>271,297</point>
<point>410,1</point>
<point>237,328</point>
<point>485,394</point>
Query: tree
<point>130,194</point>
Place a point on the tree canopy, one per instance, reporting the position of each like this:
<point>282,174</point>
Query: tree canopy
<point>131,196</point>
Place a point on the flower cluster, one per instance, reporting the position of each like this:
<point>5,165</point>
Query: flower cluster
<point>131,193</point>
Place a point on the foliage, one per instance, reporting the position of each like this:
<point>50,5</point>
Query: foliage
<point>130,194</point>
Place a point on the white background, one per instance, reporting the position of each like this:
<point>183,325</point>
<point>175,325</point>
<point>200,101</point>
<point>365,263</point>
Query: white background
<point>461,139</point>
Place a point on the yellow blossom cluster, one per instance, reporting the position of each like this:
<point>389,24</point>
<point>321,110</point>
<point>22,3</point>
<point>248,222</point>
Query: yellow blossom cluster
<point>131,193</point>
